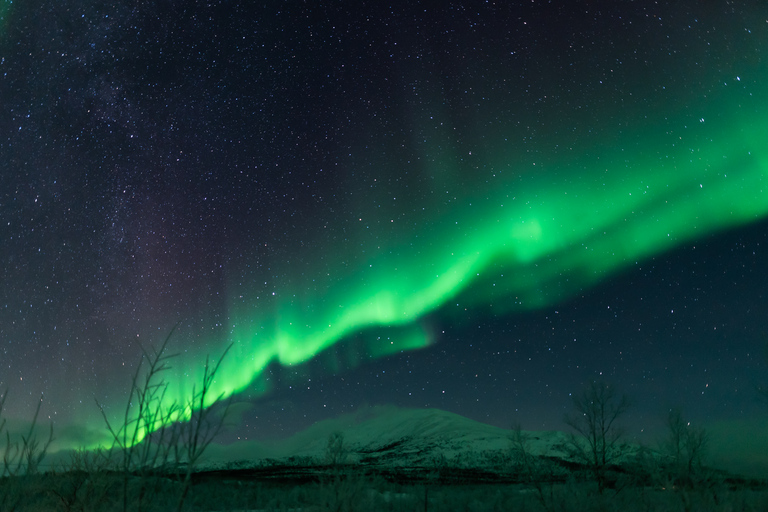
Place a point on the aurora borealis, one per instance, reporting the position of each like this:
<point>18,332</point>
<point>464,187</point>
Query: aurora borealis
<point>477,207</point>
<point>582,233</point>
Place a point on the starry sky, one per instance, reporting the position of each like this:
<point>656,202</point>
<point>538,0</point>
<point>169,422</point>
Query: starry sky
<point>474,206</point>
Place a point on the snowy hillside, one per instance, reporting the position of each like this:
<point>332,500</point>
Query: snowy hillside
<point>394,437</point>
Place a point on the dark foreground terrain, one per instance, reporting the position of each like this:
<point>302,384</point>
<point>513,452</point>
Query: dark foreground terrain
<point>280,487</point>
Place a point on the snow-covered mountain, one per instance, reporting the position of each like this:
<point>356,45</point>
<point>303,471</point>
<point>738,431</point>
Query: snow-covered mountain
<point>395,437</point>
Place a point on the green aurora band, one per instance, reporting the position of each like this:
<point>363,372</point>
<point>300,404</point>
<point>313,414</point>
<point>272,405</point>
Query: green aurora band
<point>543,239</point>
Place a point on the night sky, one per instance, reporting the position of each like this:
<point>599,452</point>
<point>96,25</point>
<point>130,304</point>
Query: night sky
<point>478,207</point>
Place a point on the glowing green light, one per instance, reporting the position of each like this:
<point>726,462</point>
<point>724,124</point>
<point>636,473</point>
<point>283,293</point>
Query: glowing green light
<point>536,241</point>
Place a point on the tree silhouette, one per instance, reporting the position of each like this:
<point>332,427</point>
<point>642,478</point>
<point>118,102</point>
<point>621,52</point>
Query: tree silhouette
<point>687,446</point>
<point>597,445</point>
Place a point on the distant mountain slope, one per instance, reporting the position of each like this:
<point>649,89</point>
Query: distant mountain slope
<point>389,435</point>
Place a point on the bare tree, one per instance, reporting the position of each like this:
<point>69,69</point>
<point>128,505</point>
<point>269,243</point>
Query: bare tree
<point>686,445</point>
<point>597,408</point>
<point>521,453</point>
<point>530,466</point>
<point>157,436</point>
<point>194,436</point>
<point>335,451</point>
<point>19,458</point>
<point>139,440</point>
<point>23,458</point>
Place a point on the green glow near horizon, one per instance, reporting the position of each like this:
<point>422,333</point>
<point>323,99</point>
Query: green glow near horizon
<point>534,242</point>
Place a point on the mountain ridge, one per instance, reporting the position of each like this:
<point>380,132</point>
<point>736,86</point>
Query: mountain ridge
<point>389,435</point>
